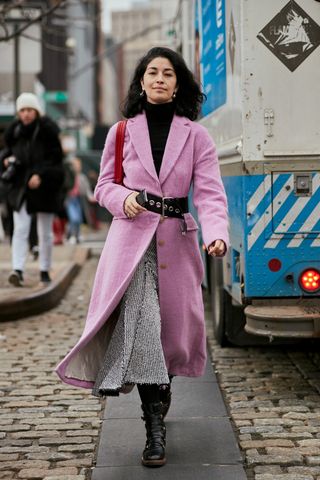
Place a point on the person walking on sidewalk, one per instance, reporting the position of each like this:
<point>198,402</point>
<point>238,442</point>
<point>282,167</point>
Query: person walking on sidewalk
<point>32,164</point>
<point>77,202</point>
<point>145,321</point>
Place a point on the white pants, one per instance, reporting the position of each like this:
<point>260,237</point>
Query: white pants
<point>2,235</point>
<point>20,239</point>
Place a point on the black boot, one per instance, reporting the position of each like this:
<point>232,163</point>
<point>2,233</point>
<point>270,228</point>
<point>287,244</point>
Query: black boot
<point>165,398</point>
<point>44,277</point>
<point>154,454</point>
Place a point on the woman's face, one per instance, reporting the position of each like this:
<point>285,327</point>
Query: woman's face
<point>159,81</point>
<point>27,115</point>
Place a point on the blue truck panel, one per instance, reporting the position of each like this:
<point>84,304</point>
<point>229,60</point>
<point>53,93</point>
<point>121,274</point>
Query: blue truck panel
<point>268,221</point>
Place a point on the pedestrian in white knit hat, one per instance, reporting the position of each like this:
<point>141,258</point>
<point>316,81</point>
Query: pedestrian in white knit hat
<point>28,100</point>
<point>31,164</point>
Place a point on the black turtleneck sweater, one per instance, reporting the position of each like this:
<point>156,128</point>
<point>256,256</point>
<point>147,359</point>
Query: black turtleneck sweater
<point>159,117</point>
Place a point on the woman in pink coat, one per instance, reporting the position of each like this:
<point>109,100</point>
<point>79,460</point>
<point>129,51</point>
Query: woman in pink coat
<point>145,321</point>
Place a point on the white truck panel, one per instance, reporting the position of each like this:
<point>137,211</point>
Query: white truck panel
<point>265,81</point>
<point>257,86</point>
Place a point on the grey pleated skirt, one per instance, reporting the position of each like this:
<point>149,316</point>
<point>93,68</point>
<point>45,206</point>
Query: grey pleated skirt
<point>134,354</point>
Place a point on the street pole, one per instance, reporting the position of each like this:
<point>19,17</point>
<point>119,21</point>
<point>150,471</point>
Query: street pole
<point>98,48</point>
<point>16,62</point>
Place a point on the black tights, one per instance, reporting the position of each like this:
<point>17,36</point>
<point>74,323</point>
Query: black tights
<point>151,393</point>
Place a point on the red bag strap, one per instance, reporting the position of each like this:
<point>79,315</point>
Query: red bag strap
<point>118,170</point>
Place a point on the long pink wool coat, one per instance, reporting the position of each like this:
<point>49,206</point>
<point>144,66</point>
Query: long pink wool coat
<point>189,157</point>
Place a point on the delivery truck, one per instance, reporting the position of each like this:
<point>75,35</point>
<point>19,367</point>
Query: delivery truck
<point>259,64</point>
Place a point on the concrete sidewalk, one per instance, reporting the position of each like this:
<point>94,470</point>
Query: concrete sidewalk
<point>34,297</point>
<point>201,443</point>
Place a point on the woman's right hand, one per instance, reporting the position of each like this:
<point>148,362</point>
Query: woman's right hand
<point>131,207</point>
<point>6,162</point>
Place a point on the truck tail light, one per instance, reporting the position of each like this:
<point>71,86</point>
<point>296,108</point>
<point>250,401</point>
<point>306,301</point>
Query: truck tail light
<point>310,280</point>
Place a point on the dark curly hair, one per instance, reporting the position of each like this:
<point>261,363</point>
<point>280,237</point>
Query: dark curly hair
<point>188,97</point>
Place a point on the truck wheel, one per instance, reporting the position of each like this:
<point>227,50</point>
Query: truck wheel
<point>228,319</point>
<point>235,321</point>
<point>217,301</point>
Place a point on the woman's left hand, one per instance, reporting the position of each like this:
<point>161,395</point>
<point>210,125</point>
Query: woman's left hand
<point>217,248</point>
<point>34,181</point>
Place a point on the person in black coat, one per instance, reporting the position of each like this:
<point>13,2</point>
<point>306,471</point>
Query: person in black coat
<point>33,171</point>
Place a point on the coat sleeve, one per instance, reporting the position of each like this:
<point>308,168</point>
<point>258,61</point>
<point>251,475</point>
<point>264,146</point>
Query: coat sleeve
<point>208,191</point>
<point>109,194</point>
<point>4,153</point>
<point>50,168</point>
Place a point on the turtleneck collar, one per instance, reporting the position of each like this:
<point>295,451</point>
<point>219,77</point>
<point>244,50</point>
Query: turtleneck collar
<point>159,112</point>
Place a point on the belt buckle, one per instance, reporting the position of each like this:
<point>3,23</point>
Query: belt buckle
<point>163,205</point>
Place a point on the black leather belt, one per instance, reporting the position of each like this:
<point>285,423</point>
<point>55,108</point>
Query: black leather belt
<point>166,206</point>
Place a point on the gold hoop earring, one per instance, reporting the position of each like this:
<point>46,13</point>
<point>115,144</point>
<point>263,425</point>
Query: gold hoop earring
<point>142,93</point>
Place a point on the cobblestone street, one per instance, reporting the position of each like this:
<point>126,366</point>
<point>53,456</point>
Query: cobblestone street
<point>47,429</point>
<point>273,397</point>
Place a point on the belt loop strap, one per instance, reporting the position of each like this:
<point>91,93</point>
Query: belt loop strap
<point>163,205</point>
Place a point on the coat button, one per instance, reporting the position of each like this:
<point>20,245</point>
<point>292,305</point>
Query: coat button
<point>161,243</point>
<point>163,266</point>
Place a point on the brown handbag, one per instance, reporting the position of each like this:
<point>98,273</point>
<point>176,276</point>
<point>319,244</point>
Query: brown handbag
<point>118,169</point>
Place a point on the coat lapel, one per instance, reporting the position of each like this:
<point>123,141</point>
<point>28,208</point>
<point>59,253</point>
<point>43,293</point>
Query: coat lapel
<point>139,136</point>
<point>179,132</point>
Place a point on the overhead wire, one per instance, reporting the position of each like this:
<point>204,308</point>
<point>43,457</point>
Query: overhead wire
<point>59,3</point>
<point>47,45</point>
